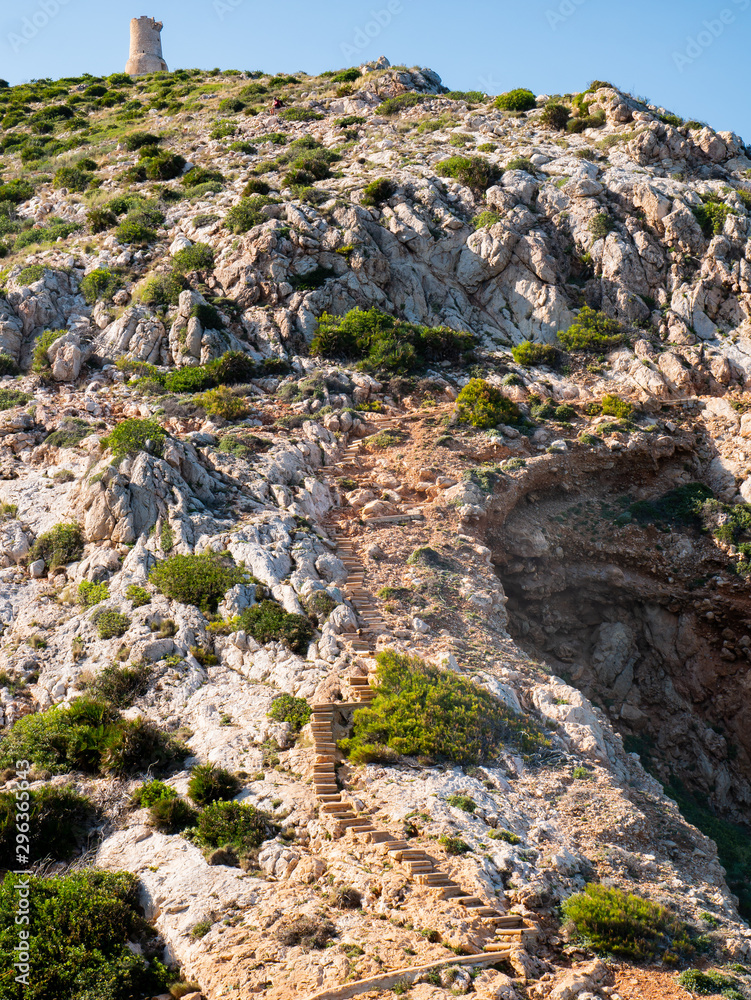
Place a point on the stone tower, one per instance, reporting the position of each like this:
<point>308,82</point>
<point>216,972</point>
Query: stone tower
<point>145,47</point>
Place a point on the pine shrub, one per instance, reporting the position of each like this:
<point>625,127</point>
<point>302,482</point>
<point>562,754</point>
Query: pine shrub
<point>288,708</point>
<point>483,406</point>
<point>531,354</point>
<point>472,171</point>
<point>56,819</point>
<point>234,824</point>
<point>201,580</point>
<point>110,623</point>
<point>199,257</point>
<point>134,435</point>
<point>59,546</point>
<point>593,331</point>
<point>516,100</point>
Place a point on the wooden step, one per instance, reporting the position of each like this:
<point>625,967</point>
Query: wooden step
<point>497,948</point>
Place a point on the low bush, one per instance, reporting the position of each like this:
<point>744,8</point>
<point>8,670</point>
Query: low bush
<point>555,116</point>
<point>379,191</point>
<point>100,284</point>
<point>472,171</point>
<point>134,435</point>
<point>386,344</point>
<point>110,623</point>
<point>614,406</point>
<point>136,232</point>
<point>710,983</point>
<point>136,140</point>
<point>138,596</point>
<point>421,710</point>
<point>564,412</point>
<point>163,166</point>
<point>255,186</point>
<point>152,791</point>
<point>88,736</point>
<point>482,405</point>
<point>613,922</point>
<point>11,398</point>
<point>59,546</point>
<point>247,213</point>
<point>90,593</point>
<point>40,359</point>
<point>70,432</point>
<point>221,402</point>
<point>81,935</point>
<point>307,932</point>
<point>300,115</point>
<point>161,290</point>
<point>711,216</point>
<point>454,846</point>
<point>463,802</point>
<point>120,686</point>
<point>172,815</point>
<point>199,580</point>
<point>295,711</point>
<point>528,353</point>
<point>600,225</point>
<point>55,819</point>
<point>100,219</point>
<point>394,105</point>
<point>209,783</point>
<point>593,331</point>
<point>199,257</point>
<point>72,178</point>
<point>269,622</point>
<point>516,100</point>
<point>17,191</point>
<point>233,824</point>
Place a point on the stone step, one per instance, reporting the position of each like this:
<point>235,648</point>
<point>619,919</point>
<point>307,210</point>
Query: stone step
<point>511,922</point>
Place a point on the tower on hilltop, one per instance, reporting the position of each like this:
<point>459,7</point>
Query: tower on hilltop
<point>145,47</point>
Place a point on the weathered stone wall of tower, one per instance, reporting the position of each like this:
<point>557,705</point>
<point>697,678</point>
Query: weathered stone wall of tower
<point>145,47</point>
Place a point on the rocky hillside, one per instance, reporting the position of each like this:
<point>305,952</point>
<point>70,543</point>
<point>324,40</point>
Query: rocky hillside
<point>375,474</point>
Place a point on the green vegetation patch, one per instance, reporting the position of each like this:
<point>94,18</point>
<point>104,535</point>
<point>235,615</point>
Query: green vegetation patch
<point>681,506</point>
<point>528,353</point>
<point>710,984</point>
<point>134,435</point>
<point>472,171</point>
<point>592,331</point>
<point>56,819</point>
<point>209,783</point>
<point>483,405</point>
<point>243,828</point>
<point>288,708</point>
<point>80,929</point>
<point>383,343</point>
<point>711,215</point>
<point>519,99</point>
<point>11,398</point>
<point>200,580</point>
<point>70,432</point>
<point>100,284</point>
<point>613,922</point>
<point>59,546</point>
<point>88,736</point>
<point>421,710</point>
<point>120,686</point>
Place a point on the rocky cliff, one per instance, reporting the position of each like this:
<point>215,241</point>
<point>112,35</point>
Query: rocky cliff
<point>173,387</point>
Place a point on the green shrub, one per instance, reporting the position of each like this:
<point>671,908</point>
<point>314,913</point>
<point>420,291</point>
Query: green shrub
<point>120,686</point>
<point>601,225</point>
<point>708,983</point>
<point>90,594</point>
<point>100,284</point>
<point>385,343</point>
<point>31,274</point>
<point>379,191</point>
<point>152,791</point>
<point>243,147</point>
<point>521,163</point>
<point>221,402</point>
<point>138,596</point>
<point>485,219</point>
<point>463,802</point>
<point>614,406</point>
<point>516,100</point>
<point>528,353</point>
<point>347,75</point>
<point>11,398</point>
<point>16,191</point>
<point>72,178</point>
<point>172,815</point>
<point>613,922</point>
<point>454,846</point>
<point>70,432</point>
<point>110,623</point>
<point>40,359</point>
<point>199,257</point>
<point>592,331</point>
<point>564,412</point>
<point>506,836</point>
<point>246,214</point>
<point>100,219</point>
<point>161,290</point>
<point>269,622</point>
<point>255,186</point>
<point>555,116</point>
<point>163,167</point>
<point>482,405</point>
<point>199,177</point>
<point>421,710</point>
<point>79,935</point>
<point>59,546</point>
<point>136,232</point>
<point>89,736</point>
<point>209,783</point>
<point>56,819</point>
<point>199,580</point>
<point>394,105</point>
<point>233,824</point>
<point>472,171</point>
<point>295,711</point>
<point>300,115</point>
<point>136,140</point>
<point>134,435</point>
<point>711,217</point>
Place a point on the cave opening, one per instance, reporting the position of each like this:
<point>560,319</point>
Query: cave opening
<point>644,616</point>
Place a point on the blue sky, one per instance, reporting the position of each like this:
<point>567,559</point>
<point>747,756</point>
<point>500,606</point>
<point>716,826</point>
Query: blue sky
<point>690,56</point>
